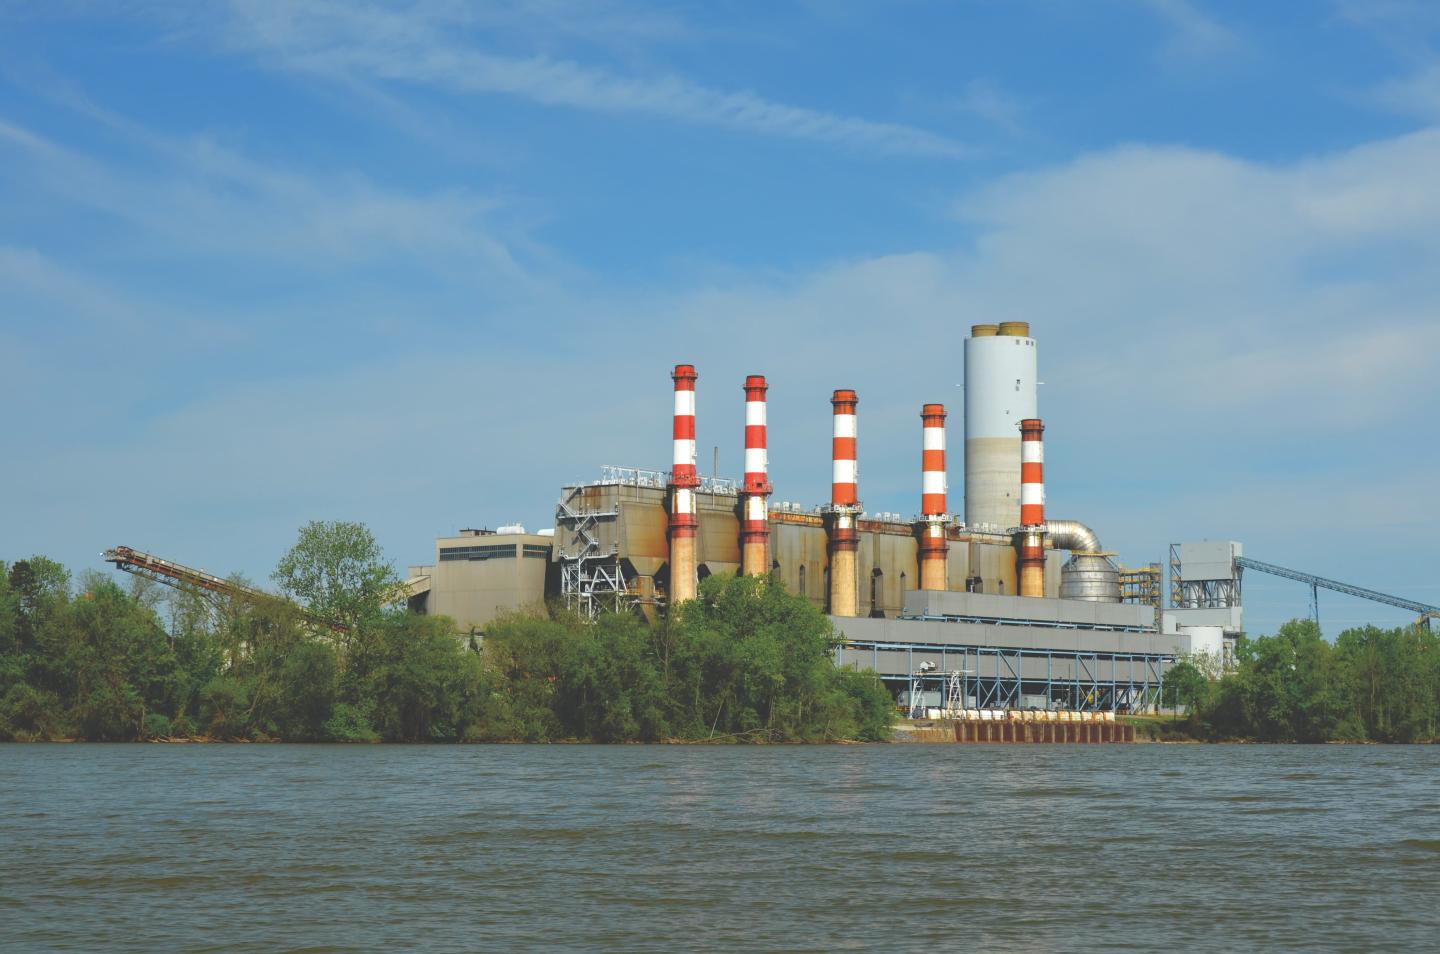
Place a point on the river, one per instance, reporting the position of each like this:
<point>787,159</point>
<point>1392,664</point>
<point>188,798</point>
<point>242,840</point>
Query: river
<point>970,848</point>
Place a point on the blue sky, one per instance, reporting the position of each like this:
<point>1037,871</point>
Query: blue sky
<point>419,264</point>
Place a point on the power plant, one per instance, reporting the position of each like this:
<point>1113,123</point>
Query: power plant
<point>1004,609</point>
<point>1002,612</point>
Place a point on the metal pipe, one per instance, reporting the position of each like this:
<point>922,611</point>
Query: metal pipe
<point>684,479</point>
<point>1072,535</point>
<point>755,488</point>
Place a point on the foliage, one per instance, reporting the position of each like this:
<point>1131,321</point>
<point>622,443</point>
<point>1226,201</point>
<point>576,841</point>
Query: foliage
<point>1371,684</point>
<point>337,572</point>
<point>747,661</point>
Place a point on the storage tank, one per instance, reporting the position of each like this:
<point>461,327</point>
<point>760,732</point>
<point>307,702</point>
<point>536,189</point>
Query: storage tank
<point>1090,576</point>
<point>1000,392</point>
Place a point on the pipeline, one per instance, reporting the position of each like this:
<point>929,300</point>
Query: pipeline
<point>1072,535</point>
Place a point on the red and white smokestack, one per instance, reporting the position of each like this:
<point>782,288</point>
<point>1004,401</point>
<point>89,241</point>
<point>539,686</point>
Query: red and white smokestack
<point>844,510</point>
<point>1030,540</point>
<point>684,479</point>
<point>1032,473</point>
<point>933,545</point>
<point>755,488</point>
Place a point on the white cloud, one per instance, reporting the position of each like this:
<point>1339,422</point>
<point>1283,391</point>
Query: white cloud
<point>1226,345</point>
<point>357,42</point>
<point>989,101</point>
<point>197,196</point>
<point>1416,94</point>
<point>1195,35</point>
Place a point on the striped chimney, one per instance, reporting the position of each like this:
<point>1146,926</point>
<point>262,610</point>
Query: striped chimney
<point>1032,473</point>
<point>844,508</point>
<point>843,469</point>
<point>933,545</point>
<point>755,488</point>
<point>684,479</point>
<point>1030,539</point>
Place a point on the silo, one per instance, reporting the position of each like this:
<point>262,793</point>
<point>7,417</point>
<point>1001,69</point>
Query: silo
<point>1000,376</point>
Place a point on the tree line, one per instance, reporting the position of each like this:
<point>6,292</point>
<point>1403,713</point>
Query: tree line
<point>337,660</point>
<point>1371,684</point>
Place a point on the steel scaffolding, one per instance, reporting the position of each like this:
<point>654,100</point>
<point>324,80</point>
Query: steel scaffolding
<point>991,677</point>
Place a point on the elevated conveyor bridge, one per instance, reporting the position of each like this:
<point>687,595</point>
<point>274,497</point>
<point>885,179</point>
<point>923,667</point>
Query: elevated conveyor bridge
<point>1424,611</point>
<point>180,576</point>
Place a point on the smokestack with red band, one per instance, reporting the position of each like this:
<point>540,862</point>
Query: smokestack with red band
<point>930,528</point>
<point>684,479</point>
<point>1030,540</point>
<point>844,509</point>
<point>843,470</point>
<point>1032,473</point>
<point>755,489</point>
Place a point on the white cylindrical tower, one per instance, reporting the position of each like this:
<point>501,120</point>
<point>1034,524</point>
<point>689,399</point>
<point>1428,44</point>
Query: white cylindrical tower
<point>1000,392</point>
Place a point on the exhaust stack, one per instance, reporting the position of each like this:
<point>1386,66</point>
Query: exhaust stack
<point>930,528</point>
<point>1000,391</point>
<point>1030,538</point>
<point>755,491</point>
<point>844,509</point>
<point>684,479</point>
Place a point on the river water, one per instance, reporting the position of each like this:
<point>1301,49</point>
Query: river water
<point>898,848</point>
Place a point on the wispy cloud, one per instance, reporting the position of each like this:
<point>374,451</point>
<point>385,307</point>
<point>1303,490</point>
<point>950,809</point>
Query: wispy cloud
<point>360,42</point>
<point>1195,35</point>
<point>196,195</point>
<point>988,100</point>
<point>1416,94</point>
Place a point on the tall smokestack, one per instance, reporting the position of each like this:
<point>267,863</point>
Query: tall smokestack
<point>844,507</point>
<point>683,480</point>
<point>1030,540</point>
<point>755,491</point>
<point>1000,391</point>
<point>930,528</point>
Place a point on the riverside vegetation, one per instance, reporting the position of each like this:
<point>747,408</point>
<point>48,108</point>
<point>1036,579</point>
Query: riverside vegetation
<point>1379,685</point>
<point>747,661</point>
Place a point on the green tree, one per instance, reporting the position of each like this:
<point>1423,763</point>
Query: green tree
<point>337,572</point>
<point>1185,685</point>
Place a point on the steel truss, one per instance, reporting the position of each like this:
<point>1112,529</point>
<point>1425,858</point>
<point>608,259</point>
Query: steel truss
<point>591,577</point>
<point>990,677</point>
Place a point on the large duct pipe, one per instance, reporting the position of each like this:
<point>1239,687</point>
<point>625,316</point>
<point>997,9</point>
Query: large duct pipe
<point>755,489</point>
<point>844,509</point>
<point>1000,391</point>
<point>1030,539</point>
<point>684,479</point>
<point>1072,535</point>
<point>930,528</point>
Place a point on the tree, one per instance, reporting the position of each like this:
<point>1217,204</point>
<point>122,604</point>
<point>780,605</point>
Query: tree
<point>1185,685</point>
<point>337,572</point>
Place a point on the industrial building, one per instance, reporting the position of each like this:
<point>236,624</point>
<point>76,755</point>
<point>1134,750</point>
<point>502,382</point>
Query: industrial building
<point>1005,613</point>
<point>1004,608</point>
